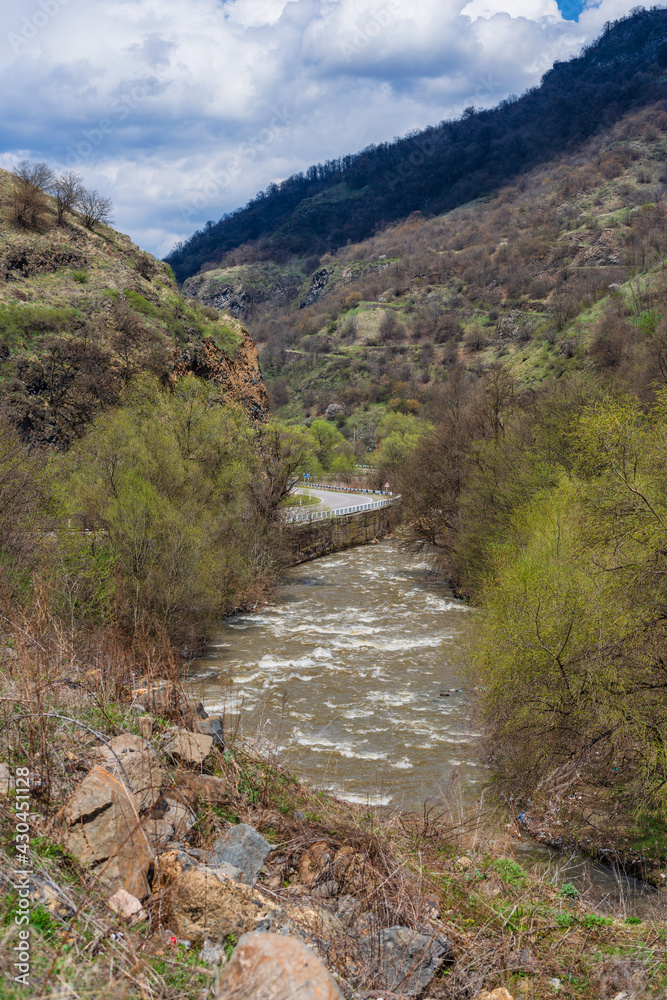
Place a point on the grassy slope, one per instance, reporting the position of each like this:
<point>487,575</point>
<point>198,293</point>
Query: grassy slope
<point>64,285</point>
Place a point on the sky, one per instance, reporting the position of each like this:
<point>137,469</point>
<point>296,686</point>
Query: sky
<point>181,110</point>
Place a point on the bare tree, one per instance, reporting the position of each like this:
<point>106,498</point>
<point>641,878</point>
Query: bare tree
<point>68,191</point>
<point>28,201</point>
<point>95,209</point>
<point>37,175</point>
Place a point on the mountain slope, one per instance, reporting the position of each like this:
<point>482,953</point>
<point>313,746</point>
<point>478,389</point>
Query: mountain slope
<point>83,311</point>
<point>444,166</point>
<point>520,278</point>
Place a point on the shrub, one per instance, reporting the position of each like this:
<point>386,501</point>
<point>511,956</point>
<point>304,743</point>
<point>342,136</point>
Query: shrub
<point>28,202</point>
<point>163,486</point>
<point>570,650</point>
<point>67,190</point>
<point>20,324</point>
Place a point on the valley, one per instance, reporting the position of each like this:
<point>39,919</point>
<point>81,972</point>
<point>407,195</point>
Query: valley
<point>332,566</point>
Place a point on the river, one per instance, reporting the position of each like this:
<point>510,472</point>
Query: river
<point>354,675</point>
<point>349,673</point>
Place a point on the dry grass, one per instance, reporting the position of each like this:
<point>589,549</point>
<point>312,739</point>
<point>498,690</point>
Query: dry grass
<point>448,872</point>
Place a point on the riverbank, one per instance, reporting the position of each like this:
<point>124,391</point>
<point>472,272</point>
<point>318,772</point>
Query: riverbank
<point>343,878</point>
<point>592,822</point>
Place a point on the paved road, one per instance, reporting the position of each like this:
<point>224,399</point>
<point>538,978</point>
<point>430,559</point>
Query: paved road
<point>336,501</point>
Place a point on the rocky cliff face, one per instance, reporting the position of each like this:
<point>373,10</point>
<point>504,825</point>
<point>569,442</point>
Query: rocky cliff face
<point>83,311</point>
<point>239,378</point>
<point>236,290</point>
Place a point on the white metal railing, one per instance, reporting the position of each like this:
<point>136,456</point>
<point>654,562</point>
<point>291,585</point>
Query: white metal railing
<point>346,489</point>
<point>322,515</point>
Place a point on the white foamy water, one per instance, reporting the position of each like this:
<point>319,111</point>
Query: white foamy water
<point>345,674</point>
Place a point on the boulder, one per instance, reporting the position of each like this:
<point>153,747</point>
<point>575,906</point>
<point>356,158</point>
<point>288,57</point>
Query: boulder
<point>180,815</point>
<point>404,960</point>
<point>242,847</point>
<point>498,994</point>
<point>189,748</point>
<point>212,728</point>
<point>100,826</point>
<point>169,866</point>
<point>159,831</point>
<point>133,760</point>
<point>315,863</point>
<point>212,954</point>
<point>273,967</point>
<point>314,925</point>
<point>206,788</point>
<point>209,725</point>
<point>205,904</point>
<point>352,871</point>
<point>145,726</point>
<point>126,905</point>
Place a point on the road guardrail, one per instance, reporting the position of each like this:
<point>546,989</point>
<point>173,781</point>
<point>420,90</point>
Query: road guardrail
<point>323,515</point>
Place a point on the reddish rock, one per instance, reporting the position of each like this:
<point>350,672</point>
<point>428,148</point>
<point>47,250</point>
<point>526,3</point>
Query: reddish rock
<point>100,826</point>
<point>239,378</point>
<point>315,863</point>
<point>273,967</point>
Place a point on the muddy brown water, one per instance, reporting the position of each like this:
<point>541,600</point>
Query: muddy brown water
<point>344,675</point>
<point>346,672</point>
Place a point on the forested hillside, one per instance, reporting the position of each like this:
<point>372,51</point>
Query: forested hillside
<point>443,166</point>
<point>511,358</point>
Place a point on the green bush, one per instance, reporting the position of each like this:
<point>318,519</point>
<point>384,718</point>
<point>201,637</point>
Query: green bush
<point>141,304</point>
<point>19,324</point>
<point>569,650</point>
<point>510,871</point>
<point>177,537</point>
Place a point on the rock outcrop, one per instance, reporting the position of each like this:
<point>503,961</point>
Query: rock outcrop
<point>404,960</point>
<point>319,282</point>
<point>190,749</point>
<point>239,378</point>
<point>234,290</point>
<point>242,847</point>
<point>207,905</point>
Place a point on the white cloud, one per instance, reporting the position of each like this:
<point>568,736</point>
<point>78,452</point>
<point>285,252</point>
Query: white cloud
<point>183,110</point>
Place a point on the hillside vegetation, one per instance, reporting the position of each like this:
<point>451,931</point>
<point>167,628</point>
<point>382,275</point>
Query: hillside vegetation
<point>504,366</point>
<point>140,484</point>
<point>82,311</point>
<point>444,166</point>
